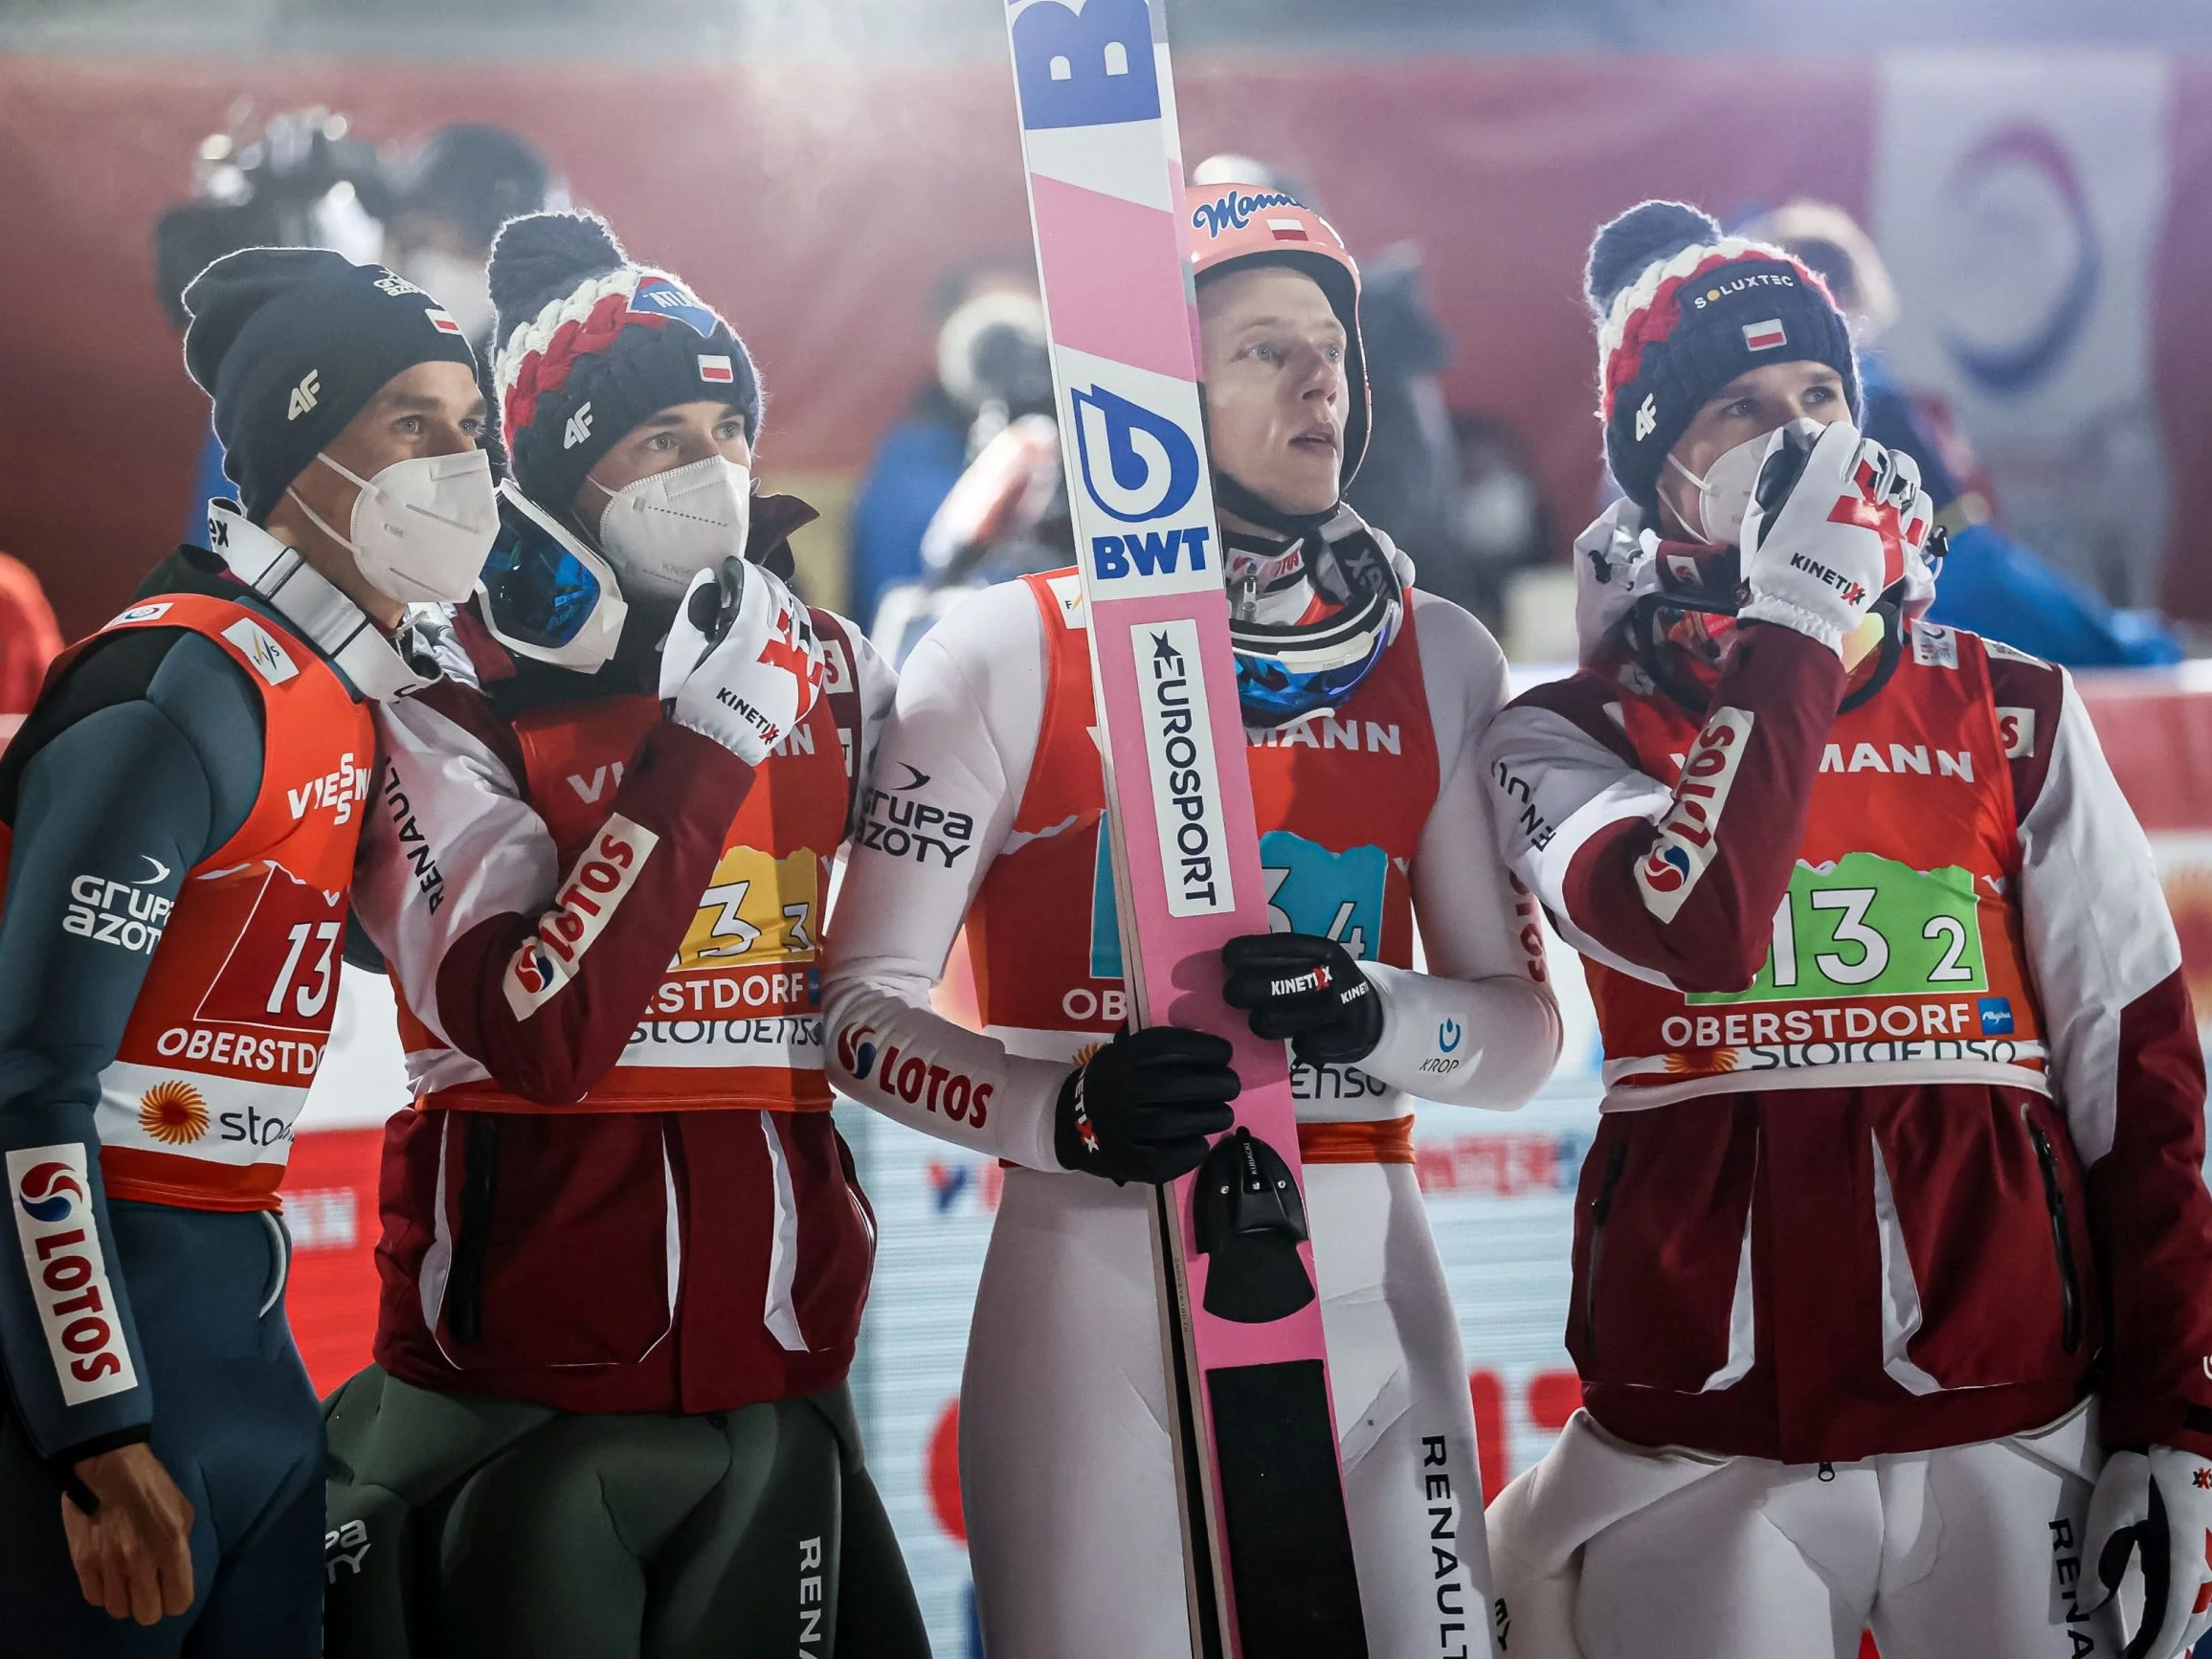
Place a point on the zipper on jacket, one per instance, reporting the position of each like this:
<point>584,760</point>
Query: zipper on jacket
<point>2055,1200</point>
<point>480,1171</point>
<point>1601,1207</point>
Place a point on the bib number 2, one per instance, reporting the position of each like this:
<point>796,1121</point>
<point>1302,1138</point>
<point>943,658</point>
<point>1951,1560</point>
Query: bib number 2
<point>1870,927</point>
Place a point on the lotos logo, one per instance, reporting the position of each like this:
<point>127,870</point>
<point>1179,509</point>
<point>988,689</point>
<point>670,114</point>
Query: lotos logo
<point>68,1275</point>
<point>856,1051</point>
<point>1666,869</point>
<point>595,888</point>
<point>1684,846</point>
<point>47,1191</point>
<point>1233,212</point>
<point>1136,464</point>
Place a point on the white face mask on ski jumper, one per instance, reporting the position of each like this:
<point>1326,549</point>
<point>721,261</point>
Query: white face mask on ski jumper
<point>422,528</point>
<point>662,531</point>
<point>1724,495</point>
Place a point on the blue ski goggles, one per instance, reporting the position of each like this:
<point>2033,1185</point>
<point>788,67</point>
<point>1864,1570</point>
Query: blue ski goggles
<point>1292,673</point>
<point>543,593</point>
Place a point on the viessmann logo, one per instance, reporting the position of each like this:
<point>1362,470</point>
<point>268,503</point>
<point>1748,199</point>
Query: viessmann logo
<point>52,1190</point>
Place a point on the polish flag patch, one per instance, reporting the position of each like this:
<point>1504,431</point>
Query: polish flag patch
<point>715,368</point>
<point>441,320</point>
<point>1764,336</point>
<point>1287,231</point>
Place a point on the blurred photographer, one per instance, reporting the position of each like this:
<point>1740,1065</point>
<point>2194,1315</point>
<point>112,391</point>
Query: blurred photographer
<point>304,181</point>
<point>992,370</point>
<point>447,199</point>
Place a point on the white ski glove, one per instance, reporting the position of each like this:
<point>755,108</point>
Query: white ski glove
<point>742,664</point>
<point>1834,520</point>
<point>2149,1540</point>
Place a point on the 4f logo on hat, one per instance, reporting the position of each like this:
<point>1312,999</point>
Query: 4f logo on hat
<point>303,394</point>
<point>1647,416</point>
<point>579,427</point>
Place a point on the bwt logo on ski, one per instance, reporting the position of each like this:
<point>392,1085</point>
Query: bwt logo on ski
<point>1186,791</point>
<point>53,1188</point>
<point>1136,464</point>
<point>1086,67</point>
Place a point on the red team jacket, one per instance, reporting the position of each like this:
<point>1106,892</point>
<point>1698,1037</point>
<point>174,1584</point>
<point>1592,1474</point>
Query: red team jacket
<point>620,1190</point>
<point>1905,1109</point>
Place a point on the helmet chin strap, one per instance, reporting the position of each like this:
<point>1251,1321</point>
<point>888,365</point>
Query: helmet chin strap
<point>1230,496</point>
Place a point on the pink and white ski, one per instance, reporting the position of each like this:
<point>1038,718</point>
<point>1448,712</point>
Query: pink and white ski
<point>1267,1543</point>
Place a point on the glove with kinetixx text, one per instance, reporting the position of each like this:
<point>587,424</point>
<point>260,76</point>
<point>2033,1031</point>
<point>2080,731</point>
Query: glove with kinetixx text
<point>2149,1526</point>
<point>743,663</point>
<point>1305,989</point>
<point>1145,1105</point>
<point>1834,520</point>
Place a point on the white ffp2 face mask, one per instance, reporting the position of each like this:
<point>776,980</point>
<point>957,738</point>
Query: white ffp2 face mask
<point>422,528</point>
<point>662,531</point>
<point>1724,495</point>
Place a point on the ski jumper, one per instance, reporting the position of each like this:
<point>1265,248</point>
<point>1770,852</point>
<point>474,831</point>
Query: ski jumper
<point>618,1196</point>
<point>179,815</point>
<point>987,809</point>
<point>1904,1113</point>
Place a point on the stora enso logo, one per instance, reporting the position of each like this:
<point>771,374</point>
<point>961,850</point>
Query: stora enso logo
<point>49,1190</point>
<point>1136,465</point>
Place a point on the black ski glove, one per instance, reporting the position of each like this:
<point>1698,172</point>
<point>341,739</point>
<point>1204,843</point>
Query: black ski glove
<point>1142,1107</point>
<point>1306,989</point>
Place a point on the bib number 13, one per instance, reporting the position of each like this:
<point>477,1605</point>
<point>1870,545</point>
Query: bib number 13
<point>1871,927</point>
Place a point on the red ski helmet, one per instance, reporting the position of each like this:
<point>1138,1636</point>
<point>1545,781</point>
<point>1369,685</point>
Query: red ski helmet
<point>1237,224</point>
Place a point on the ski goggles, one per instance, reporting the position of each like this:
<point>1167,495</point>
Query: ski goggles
<point>1292,673</point>
<point>543,593</point>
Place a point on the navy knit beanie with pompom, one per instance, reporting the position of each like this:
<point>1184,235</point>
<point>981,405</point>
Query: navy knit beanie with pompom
<point>589,343</point>
<point>1682,310</point>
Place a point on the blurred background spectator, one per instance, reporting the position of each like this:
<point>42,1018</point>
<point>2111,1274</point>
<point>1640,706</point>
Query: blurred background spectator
<point>1991,583</point>
<point>989,370</point>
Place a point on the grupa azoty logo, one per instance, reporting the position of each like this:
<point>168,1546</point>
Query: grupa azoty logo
<point>1136,465</point>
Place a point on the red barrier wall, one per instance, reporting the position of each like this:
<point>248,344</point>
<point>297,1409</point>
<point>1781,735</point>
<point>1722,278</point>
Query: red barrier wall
<point>818,204</point>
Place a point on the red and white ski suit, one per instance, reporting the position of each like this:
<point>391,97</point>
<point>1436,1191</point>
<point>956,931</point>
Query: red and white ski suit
<point>986,809</point>
<point>1904,1116</point>
<point>619,1189</point>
